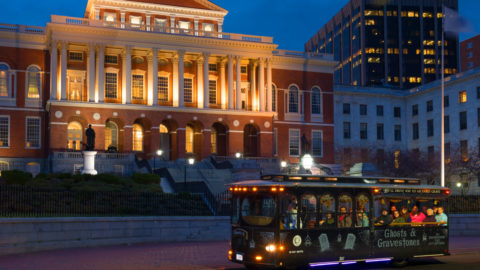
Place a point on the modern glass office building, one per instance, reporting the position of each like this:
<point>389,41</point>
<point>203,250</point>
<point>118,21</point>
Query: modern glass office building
<point>392,43</point>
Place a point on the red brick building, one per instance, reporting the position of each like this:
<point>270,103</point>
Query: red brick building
<point>470,53</point>
<point>156,74</point>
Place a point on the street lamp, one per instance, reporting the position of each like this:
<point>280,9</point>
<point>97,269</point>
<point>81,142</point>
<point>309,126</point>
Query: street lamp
<point>459,185</point>
<point>158,153</point>
<point>190,161</point>
<point>307,162</point>
<point>283,165</point>
<point>238,155</point>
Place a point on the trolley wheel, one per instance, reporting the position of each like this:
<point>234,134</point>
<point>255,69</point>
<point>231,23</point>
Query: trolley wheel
<point>400,262</point>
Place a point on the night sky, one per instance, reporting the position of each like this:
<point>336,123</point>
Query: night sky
<point>289,22</point>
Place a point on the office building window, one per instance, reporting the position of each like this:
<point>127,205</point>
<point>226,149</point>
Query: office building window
<point>317,143</point>
<point>463,120</point>
<point>415,131</point>
<point>431,153</point>
<point>346,108</point>
<point>379,110</point>
<point>380,132</point>
<point>446,121</point>
<point>363,131</point>
<point>429,105</point>
<point>111,85</point>
<point>363,109</point>
<point>188,90</point>
<point>293,99</point>
<point>138,87</point>
<point>430,128</point>
<point>212,92</point>
<point>398,132</point>
<point>316,101</point>
<point>415,110</point>
<point>462,97</point>
<point>163,86</point>
<point>33,132</point>
<point>294,142</point>
<point>347,130</point>
<point>397,111</point>
<point>446,101</point>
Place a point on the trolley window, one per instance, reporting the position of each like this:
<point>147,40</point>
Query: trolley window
<point>327,211</point>
<point>289,212</point>
<point>344,219</point>
<point>309,211</point>
<point>362,204</point>
<point>258,210</point>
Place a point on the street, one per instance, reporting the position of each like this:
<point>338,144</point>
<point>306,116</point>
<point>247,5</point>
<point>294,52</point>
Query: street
<point>201,256</point>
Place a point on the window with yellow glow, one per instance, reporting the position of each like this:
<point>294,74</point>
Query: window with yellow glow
<point>110,17</point>
<point>74,136</point>
<point>397,159</point>
<point>111,135</point>
<point>214,141</point>
<point>163,129</point>
<point>138,87</point>
<point>4,71</point>
<point>137,138</point>
<point>33,82</point>
<point>189,134</point>
<point>135,20</point>
<point>462,97</point>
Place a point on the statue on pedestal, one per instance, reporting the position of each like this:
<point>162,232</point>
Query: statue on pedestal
<point>90,139</point>
<point>305,145</point>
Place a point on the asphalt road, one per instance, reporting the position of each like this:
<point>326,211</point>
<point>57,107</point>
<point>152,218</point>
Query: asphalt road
<point>202,256</point>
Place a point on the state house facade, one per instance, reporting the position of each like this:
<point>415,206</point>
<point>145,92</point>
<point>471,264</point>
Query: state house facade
<point>154,75</point>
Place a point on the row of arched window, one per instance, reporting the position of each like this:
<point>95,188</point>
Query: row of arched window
<point>33,79</point>
<point>294,100</point>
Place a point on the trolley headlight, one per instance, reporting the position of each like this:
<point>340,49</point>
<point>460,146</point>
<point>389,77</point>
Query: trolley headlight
<point>271,248</point>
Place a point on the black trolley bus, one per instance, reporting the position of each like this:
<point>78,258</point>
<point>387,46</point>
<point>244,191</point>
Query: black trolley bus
<point>291,221</point>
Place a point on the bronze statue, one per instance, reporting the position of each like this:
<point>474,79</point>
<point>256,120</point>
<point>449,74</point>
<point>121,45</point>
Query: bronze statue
<point>305,145</point>
<point>90,139</point>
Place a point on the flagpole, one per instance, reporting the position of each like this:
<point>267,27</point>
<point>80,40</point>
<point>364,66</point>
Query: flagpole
<point>442,130</point>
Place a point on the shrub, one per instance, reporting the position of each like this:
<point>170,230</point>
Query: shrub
<point>146,179</point>
<point>107,179</point>
<point>16,177</point>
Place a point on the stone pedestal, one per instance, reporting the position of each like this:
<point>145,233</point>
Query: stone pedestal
<point>89,162</point>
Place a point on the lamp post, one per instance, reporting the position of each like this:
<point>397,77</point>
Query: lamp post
<point>159,153</point>
<point>307,162</point>
<point>283,165</point>
<point>190,161</point>
<point>238,155</point>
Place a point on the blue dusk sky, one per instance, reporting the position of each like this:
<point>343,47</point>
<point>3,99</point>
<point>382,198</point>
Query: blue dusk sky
<point>290,22</point>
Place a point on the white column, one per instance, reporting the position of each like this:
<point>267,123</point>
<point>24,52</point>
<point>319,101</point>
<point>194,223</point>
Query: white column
<point>155,76</point>
<point>206,85</point>
<point>253,84</point>
<point>223,90</point>
<point>195,22</point>
<point>53,70</point>
<point>127,72</point>
<point>147,23</point>
<point>181,82</point>
<point>201,97</point>
<point>97,14</point>
<point>220,29</point>
<point>172,24</point>
<point>91,73</point>
<point>269,85</point>
<point>238,88</point>
<point>175,81</point>
<point>151,77</point>
<point>101,73</point>
<point>122,18</point>
<point>230,82</point>
<point>261,85</point>
<point>63,71</point>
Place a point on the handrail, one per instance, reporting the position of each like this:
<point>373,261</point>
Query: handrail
<point>156,29</point>
<point>18,28</point>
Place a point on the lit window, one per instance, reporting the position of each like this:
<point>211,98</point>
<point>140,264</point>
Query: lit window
<point>111,85</point>
<point>137,138</point>
<point>33,132</point>
<point>137,87</point>
<point>4,80</point>
<point>294,142</point>
<point>427,15</point>
<point>213,139</point>
<point>74,136</point>
<point>189,140</point>
<point>33,82</point>
<point>316,101</point>
<point>184,25</point>
<point>109,17</point>
<point>160,25</point>
<point>369,22</point>
<point>136,21</point>
<point>293,99</point>
<point>243,69</point>
<point>212,92</point>
<point>111,135</point>
<point>208,27</point>
<point>163,88</point>
<point>462,97</point>
<point>317,143</point>
<point>188,90</point>
<point>75,85</point>
<point>397,159</point>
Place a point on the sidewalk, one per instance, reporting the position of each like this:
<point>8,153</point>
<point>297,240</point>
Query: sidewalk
<point>165,256</point>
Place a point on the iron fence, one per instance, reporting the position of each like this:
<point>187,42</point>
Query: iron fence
<point>462,204</point>
<point>20,201</point>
